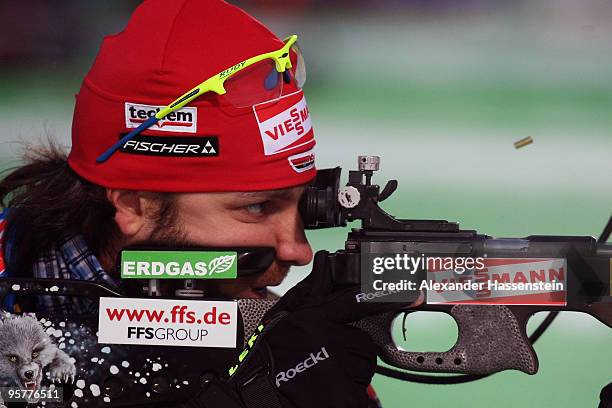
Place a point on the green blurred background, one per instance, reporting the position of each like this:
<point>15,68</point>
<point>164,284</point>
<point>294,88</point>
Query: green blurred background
<point>440,89</point>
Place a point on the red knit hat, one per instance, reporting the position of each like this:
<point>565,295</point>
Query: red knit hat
<point>167,48</point>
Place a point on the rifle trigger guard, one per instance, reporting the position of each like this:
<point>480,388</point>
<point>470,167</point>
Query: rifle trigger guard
<point>491,339</point>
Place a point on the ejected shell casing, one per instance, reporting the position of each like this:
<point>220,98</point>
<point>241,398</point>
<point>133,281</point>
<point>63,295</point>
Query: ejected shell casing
<point>523,142</point>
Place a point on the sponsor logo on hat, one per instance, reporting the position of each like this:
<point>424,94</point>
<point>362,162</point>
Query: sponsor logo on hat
<point>284,124</point>
<point>303,161</point>
<point>172,146</point>
<point>184,120</point>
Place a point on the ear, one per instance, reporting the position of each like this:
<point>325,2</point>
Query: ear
<point>130,211</point>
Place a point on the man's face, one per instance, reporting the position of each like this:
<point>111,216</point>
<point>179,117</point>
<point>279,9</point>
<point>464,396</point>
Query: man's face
<point>264,218</point>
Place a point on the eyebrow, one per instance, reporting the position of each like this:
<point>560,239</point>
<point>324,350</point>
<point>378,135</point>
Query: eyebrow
<point>282,193</point>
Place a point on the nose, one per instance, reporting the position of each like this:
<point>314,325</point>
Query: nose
<point>291,243</point>
<point>29,374</point>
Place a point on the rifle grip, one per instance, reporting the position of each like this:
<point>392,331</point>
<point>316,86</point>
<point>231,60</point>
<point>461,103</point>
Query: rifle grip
<point>490,340</point>
<point>252,312</point>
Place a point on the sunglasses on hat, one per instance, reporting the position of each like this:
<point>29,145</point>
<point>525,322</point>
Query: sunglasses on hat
<point>255,80</point>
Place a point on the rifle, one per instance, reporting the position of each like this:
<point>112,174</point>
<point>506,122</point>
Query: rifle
<point>492,330</point>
